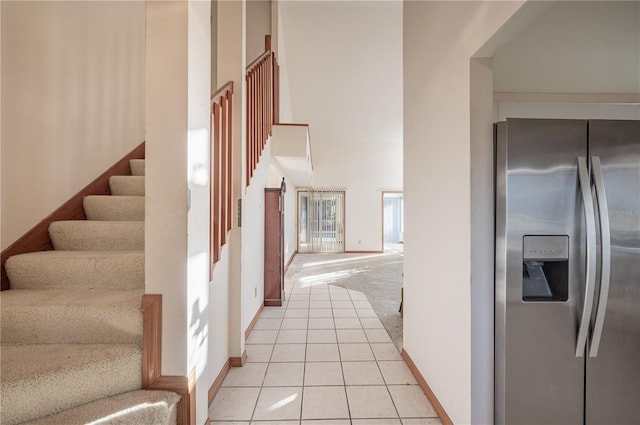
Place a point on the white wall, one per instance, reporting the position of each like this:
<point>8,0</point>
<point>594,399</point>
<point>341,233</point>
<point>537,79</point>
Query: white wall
<point>231,37</point>
<point>218,311</point>
<point>253,238</point>
<point>290,222</point>
<point>439,40</point>
<point>258,25</point>
<point>364,173</point>
<point>286,115</point>
<point>72,100</point>
<point>178,78</point>
<point>482,242</point>
<point>166,222</point>
<point>267,174</point>
<point>214,46</point>
<point>574,47</point>
<point>198,171</point>
<point>344,63</point>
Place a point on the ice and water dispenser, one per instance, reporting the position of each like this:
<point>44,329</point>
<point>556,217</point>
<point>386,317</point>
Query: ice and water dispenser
<point>545,268</point>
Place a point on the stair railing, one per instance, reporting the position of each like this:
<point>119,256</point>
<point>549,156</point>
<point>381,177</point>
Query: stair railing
<point>263,104</point>
<point>221,167</point>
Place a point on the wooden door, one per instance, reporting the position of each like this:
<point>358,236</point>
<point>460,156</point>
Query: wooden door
<point>273,246</point>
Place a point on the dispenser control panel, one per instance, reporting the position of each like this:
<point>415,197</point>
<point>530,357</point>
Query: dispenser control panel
<point>545,268</point>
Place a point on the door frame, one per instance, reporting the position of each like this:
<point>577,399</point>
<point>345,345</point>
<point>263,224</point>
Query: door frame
<point>344,214</point>
<point>385,192</point>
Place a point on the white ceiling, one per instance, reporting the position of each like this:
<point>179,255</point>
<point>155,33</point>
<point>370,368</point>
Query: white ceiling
<point>344,65</point>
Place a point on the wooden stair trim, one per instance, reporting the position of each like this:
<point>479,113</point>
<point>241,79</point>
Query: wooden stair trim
<point>152,362</point>
<point>286,267</point>
<point>186,387</point>
<point>238,361</point>
<point>37,239</point>
<point>151,338</point>
<point>217,383</point>
<point>442,414</point>
<point>247,332</point>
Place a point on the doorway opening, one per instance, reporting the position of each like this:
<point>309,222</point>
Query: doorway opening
<point>392,221</point>
<point>320,221</point>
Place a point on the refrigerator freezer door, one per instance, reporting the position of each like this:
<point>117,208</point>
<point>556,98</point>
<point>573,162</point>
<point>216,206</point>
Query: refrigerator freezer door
<point>539,379</point>
<point>613,377</point>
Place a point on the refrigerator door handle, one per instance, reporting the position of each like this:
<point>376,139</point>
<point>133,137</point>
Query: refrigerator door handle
<point>605,240</point>
<point>590,276</point>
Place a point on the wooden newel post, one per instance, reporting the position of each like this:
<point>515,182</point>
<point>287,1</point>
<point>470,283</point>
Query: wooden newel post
<point>267,43</point>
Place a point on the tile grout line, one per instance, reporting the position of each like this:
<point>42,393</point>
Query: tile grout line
<point>265,373</point>
<point>344,381</point>
<point>304,364</point>
<point>384,380</point>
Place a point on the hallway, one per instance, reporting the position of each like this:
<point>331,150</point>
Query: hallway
<point>323,358</point>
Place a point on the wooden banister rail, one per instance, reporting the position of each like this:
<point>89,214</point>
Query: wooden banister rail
<point>221,167</point>
<point>263,104</point>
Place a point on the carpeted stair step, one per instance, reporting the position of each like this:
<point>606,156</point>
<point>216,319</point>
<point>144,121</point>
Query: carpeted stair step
<point>114,208</point>
<point>91,235</point>
<point>137,167</point>
<point>135,407</point>
<point>49,316</point>
<point>127,185</point>
<point>40,380</point>
<point>76,270</point>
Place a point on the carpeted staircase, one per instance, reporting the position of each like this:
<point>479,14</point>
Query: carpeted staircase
<point>71,329</point>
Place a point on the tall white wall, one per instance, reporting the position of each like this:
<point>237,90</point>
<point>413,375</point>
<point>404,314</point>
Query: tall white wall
<point>198,167</point>
<point>178,78</point>
<point>218,311</point>
<point>231,64</point>
<point>166,220</point>
<point>439,40</point>
<point>344,67</point>
<point>364,172</point>
<point>482,242</point>
<point>253,238</point>
<point>72,100</point>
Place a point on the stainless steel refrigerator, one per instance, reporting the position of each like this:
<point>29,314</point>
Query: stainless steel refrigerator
<point>567,294</point>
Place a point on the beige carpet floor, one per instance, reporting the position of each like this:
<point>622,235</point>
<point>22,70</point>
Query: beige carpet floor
<point>378,276</point>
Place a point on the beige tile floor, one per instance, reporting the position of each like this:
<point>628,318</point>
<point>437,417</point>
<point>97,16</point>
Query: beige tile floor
<point>322,358</point>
